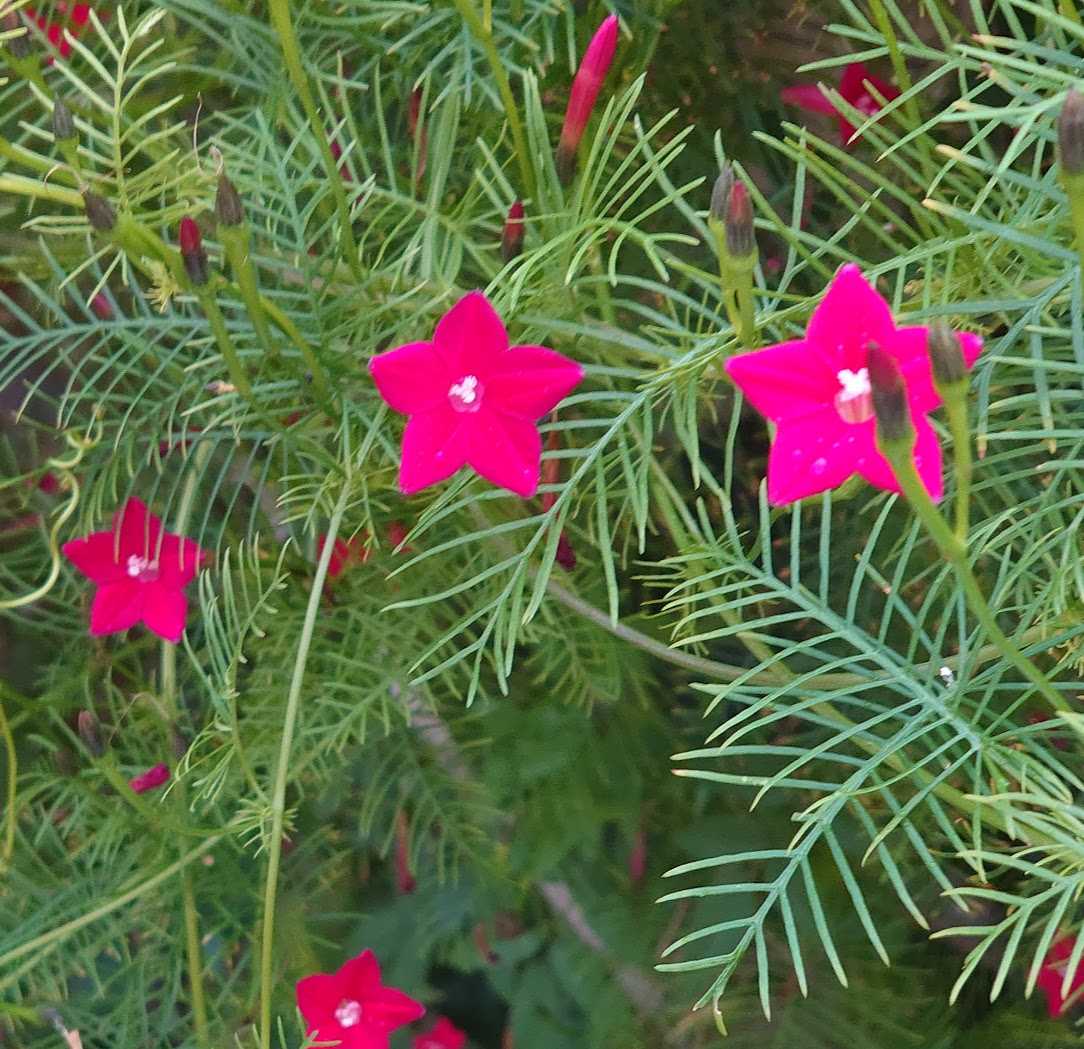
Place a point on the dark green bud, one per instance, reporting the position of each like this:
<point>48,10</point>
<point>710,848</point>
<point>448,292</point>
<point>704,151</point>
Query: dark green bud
<point>889,396</point>
<point>63,125</point>
<point>720,194</point>
<point>946,357</point>
<point>100,213</point>
<point>18,46</point>
<point>90,732</point>
<point>1071,133</point>
<point>228,208</point>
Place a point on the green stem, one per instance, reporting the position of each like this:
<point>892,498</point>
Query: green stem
<point>21,186</point>
<point>236,370</point>
<point>956,408</point>
<point>899,66</point>
<point>901,458</point>
<point>12,779</point>
<point>236,242</point>
<point>282,321</point>
<point>485,39</point>
<point>747,326</point>
<point>282,768</point>
<point>1074,190</point>
<point>283,25</point>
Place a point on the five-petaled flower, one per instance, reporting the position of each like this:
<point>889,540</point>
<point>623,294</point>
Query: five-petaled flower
<point>141,572</point>
<point>854,89</point>
<point>444,1035</point>
<point>817,391</point>
<point>472,399</point>
<point>351,1008</point>
<point>154,777</point>
<point>1051,977</point>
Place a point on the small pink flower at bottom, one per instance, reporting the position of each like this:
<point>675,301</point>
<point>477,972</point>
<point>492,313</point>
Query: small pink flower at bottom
<point>444,1035</point>
<point>472,399</point>
<point>141,572</point>
<point>153,777</point>
<point>817,391</point>
<point>854,89</point>
<point>1052,976</point>
<point>351,1008</point>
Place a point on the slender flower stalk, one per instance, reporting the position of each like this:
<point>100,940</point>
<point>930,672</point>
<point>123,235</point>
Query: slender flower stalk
<point>1071,162</point>
<point>594,66</point>
<point>730,219</point>
<point>950,380</point>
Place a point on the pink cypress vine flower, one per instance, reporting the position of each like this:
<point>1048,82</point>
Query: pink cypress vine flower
<point>351,1008</point>
<point>1052,976</point>
<point>345,553</point>
<point>149,780</point>
<point>585,88</point>
<point>472,399</point>
<point>54,31</point>
<point>817,391</point>
<point>444,1035</point>
<point>854,89</point>
<point>141,572</point>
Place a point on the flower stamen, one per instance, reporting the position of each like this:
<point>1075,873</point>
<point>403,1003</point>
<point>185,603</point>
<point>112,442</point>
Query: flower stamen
<point>466,395</point>
<point>854,402</point>
<point>348,1013</point>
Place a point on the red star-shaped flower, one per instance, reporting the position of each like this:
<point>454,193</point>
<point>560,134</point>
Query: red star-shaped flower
<point>351,1008</point>
<point>817,390</point>
<point>472,399</point>
<point>854,89</point>
<point>444,1035</point>
<point>141,572</point>
<point>1052,977</point>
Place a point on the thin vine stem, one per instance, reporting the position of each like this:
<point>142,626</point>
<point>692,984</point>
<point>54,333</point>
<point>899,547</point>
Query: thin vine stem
<point>956,409</point>
<point>12,789</point>
<point>282,767</point>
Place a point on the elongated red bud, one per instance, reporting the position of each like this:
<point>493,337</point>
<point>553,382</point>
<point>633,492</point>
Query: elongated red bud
<point>422,139</point>
<point>1071,133</point>
<point>512,237</point>
<point>195,258</point>
<point>739,221</point>
<point>720,194</point>
<point>405,881</point>
<point>566,554</point>
<point>90,733</point>
<point>594,66</point>
<point>154,777</point>
<point>889,396</point>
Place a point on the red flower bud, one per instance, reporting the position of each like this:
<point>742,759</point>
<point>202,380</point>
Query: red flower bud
<point>101,306</point>
<point>195,258</point>
<point>739,221</point>
<point>889,396</point>
<point>585,88</point>
<point>512,238</point>
<point>149,780</point>
<point>566,555</point>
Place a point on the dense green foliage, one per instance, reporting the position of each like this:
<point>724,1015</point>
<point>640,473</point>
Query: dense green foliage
<point>856,762</point>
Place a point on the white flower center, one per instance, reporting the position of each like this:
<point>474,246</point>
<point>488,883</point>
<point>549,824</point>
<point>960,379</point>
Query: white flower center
<point>466,395</point>
<point>348,1014</point>
<point>854,402</point>
<point>142,568</point>
<point>866,103</point>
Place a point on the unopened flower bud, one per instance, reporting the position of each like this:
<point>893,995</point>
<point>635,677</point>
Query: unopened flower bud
<point>1071,133</point>
<point>585,88</point>
<point>228,207</point>
<point>100,213</point>
<point>63,125</point>
<point>566,554</point>
<point>178,741</point>
<point>18,46</point>
<point>90,733</point>
<point>946,356</point>
<point>154,777</point>
<point>739,221</point>
<point>195,258</point>
<point>720,194</point>
<point>512,237</point>
<point>889,396</point>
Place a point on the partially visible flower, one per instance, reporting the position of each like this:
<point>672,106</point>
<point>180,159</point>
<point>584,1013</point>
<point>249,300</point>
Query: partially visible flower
<point>585,88</point>
<point>854,89</point>
<point>566,553</point>
<point>149,780</point>
<point>192,252</point>
<point>102,307</point>
<point>344,553</point>
<point>512,234</point>
<point>472,399</point>
<point>1052,976</point>
<point>141,572</point>
<point>444,1035</point>
<point>638,856</point>
<point>352,1008</point>
<point>817,390</point>
<point>54,31</point>
<point>49,485</point>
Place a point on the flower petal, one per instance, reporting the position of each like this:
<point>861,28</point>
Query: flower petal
<point>164,610</point>
<point>116,606</point>
<point>138,529</point>
<point>530,381</point>
<point>910,348</point>
<point>813,453</point>
<point>878,472</point>
<point>850,316</point>
<point>470,335</point>
<point>179,559</point>
<point>809,97</point>
<point>95,556</point>
<point>318,996</point>
<point>390,1008</point>
<point>411,378</point>
<point>434,447</point>
<point>785,381</point>
<point>852,85</point>
<point>359,978</point>
<point>506,451</point>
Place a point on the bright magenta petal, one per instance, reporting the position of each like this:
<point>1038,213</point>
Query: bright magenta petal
<point>95,557</point>
<point>910,348</point>
<point>389,1008</point>
<point>412,378</point>
<point>808,97</point>
<point>814,453</point>
<point>971,344</point>
<point>164,611</point>
<point>179,560</point>
<point>360,976</point>
<point>317,997</point>
<point>852,86</point>
<point>786,380</point>
<point>850,316</point>
<point>506,451</point>
<point>434,447</point>
<point>470,335</point>
<point>116,607</point>
<point>530,381</point>
<point>879,473</point>
<point>138,529</point>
